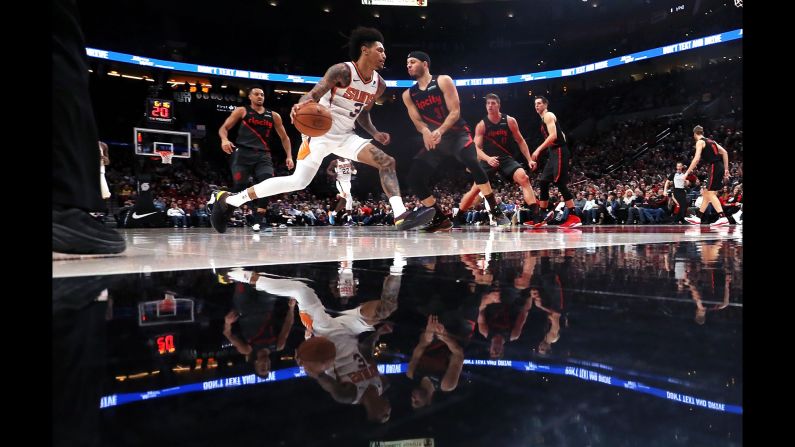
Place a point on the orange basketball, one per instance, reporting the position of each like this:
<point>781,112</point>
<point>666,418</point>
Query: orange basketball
<point>317,351</point>
<point>312,119</point>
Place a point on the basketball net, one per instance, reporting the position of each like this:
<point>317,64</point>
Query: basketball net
<point>168,305</point>
<point>738,3</point>
<point>165,156</point>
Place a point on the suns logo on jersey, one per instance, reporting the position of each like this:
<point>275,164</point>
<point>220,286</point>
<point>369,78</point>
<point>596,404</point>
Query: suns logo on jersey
<point>357,95</point>
<point>363,374</point>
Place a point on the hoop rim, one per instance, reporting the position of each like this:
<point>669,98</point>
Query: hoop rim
<point>165,156</point>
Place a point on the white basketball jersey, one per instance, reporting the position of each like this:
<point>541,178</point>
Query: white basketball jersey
<point>345,103</point>
<point>355,369</point>
<point>344,170</point>
<point>346,283</point>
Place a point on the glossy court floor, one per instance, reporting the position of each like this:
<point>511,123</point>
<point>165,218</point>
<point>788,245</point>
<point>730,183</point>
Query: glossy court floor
<point>601,336</point>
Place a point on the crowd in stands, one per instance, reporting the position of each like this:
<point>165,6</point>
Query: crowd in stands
<point>631,194</point>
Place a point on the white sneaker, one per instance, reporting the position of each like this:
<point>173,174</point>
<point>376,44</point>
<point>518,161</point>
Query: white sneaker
<point>255,227</point>
<point>720,222</point>
<point>738,217</point>
<point>693,220</point>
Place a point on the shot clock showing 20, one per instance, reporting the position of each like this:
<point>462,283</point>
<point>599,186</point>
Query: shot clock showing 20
<point>159,110</point>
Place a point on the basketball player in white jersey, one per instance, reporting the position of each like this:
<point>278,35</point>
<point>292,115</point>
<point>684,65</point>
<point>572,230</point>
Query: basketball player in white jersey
<point>349,90</point>
<point>345,286</point>
<point>354,377</point>
<point>342,169</point>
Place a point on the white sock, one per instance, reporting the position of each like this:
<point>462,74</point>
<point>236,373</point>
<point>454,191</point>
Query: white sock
<point>103,185</point>
<point>397,205</point>
<point>238,199</point>
<point>397,265</point>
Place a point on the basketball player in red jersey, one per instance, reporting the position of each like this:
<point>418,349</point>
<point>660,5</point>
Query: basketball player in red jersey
<point>491,143</point>
<point>556,169</point>
<point>718,159</point>
<point>252,153</point>
<point>435,110</point>
<point>349,90</point>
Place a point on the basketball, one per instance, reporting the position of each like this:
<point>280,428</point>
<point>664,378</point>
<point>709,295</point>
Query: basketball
<point>312,120</point>
<point>319,351</point>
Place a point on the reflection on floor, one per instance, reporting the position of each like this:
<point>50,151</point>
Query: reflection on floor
<point>603,344</point>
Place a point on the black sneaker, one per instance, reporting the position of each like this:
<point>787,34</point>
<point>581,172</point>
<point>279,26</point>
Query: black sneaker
<point>542,221</point>
<point>459,220</point>
<point>75,232</point>
<point>441,225</point>
<point>219,216</point>
<point>414,219</point>
<point>501,220</point>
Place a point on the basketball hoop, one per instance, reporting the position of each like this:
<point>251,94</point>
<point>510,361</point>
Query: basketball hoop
<point>165,156</point>
<point>738,3</point>
<point>167,306</point>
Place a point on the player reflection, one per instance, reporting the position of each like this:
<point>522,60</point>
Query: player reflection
<point>435,364</point>
<point>353,377</point>
<point>549,297</point>
<point>705,285</point>
<point>345,285</point>
<point>261,325</point>
<point>504,306</point>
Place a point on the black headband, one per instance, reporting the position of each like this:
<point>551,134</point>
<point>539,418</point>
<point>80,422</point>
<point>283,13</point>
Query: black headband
<point>421,56</point>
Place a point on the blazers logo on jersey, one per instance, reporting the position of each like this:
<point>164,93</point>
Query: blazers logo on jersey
<point>259,122</point>
<point>429,101</point>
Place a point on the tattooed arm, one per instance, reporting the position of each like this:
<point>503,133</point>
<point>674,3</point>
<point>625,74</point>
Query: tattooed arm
<point>366,121</point>
<point>338,75</point>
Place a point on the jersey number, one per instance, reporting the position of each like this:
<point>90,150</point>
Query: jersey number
<point>358,109</point>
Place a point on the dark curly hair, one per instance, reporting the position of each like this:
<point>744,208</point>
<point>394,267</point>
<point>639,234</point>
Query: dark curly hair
<point>363,36</point>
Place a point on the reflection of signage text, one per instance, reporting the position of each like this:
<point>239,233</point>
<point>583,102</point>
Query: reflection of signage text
<point>422,3</point>
<point>421,442</point>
